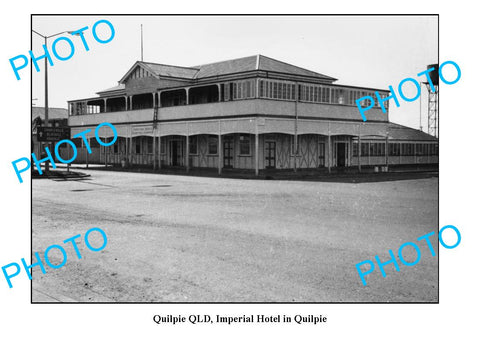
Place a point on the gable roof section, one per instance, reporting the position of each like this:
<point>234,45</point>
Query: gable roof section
<point>404,133</point>
<point>159,70</point>
<point>171,70</point>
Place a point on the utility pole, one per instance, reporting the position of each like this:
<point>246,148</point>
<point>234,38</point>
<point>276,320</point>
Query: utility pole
<point>47,166</point>
<point>45,37</point>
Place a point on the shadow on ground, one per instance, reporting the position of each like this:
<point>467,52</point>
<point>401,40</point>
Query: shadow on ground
<point>59,175</point>
<point>345,175</point>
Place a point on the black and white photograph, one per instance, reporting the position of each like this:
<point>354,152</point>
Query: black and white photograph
<point>238,174</point>
<point>229,162</point>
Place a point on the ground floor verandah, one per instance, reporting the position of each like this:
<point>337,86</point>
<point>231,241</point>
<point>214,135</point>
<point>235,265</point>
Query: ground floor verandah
<point>254,144</point>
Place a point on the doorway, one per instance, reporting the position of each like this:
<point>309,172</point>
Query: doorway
<point>341,154</point>
<point>321,154</point>
<point>270,151</point>
<point>176,153</point>
<point>228,152</point>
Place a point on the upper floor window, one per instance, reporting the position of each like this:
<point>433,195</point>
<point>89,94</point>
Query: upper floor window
<point>239,90</point>
<point>277,89</point>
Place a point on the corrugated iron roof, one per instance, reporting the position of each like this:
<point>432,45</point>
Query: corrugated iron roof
<point>251,63</point>
<point>232,66</point>
<point>270,64</point>
<point>119,87</point>
<point>53,113</point>
<point>404,133</point>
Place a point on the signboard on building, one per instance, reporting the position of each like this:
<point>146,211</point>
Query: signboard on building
<point>52,134</point>
<point>142,130</point>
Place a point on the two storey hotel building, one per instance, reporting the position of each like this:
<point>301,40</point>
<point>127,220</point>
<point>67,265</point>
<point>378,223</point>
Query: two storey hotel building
<point>253,113</point>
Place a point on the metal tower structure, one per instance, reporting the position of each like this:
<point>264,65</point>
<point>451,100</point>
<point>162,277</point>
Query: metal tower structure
<point>432,110</point>
<point>432,124</point>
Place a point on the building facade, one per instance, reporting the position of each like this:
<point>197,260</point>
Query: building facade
<point>252,113</point>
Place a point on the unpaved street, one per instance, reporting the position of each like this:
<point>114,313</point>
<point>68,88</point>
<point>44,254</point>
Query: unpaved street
<point>190,239</point>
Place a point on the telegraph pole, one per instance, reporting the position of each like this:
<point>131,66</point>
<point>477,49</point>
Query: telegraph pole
<point>45,37</point>
<point>47,166</point>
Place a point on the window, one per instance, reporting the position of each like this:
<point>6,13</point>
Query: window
<point>377,149</point>
<point>381,149</point>
<point>364,102</point>
<point>244,144</point>
<point>326,94</point>
<point>338,96</point>
<point>383,96</point>
<point>394,149</point>
<point>421,149</point>
<point>233,91</point>
<point>372,149</point>
<point>193,145</point>
<point>365,149</point>
<point>226,92</point>
<point>350,97</point>
<point>408,149</point>
<point>212,145</point>
<point>263,90</point>
<point>275,90</point>
<point>432,149</point>
<point>240,90</point>
<point>313,93</point>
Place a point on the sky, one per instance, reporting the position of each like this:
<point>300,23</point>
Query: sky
<point>366,51</point>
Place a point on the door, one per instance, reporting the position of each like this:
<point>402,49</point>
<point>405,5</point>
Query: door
<point>176,153</point>
<point>341,154</point>
<point>270,151</point>
<point>321,154</point>
<point>228,152</point>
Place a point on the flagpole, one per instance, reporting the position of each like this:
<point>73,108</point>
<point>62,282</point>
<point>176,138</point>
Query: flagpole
<point>141,40</point>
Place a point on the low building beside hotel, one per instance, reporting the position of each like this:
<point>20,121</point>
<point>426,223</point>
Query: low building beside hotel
<point>252,113</point>
<point>57,117</point>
